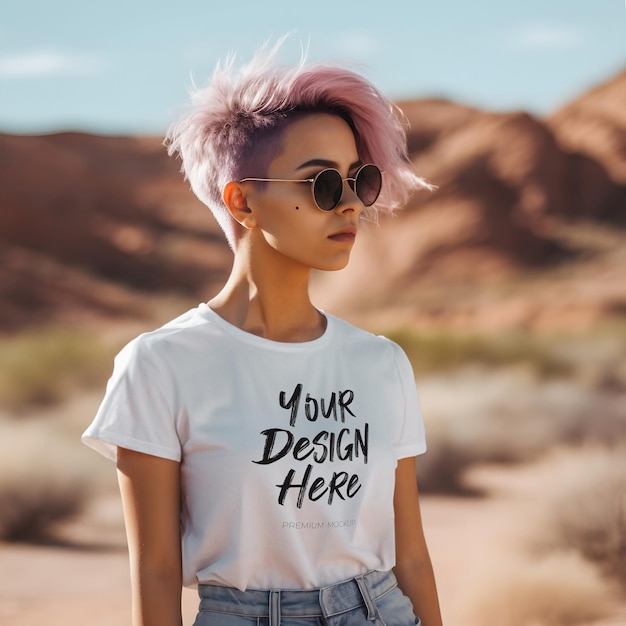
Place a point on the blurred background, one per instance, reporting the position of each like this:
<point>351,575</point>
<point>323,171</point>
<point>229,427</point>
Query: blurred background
<point>506,286</point>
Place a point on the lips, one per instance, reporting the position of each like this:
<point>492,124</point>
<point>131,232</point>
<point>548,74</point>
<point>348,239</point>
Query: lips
<point>345,235</point>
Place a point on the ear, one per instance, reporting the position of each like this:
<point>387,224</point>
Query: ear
<point>236,202</point>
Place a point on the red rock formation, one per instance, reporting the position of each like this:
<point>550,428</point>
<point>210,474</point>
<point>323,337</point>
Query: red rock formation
<point>86,222</point>
<point>115,206</point>
<point>592,131</point>
<point>511,168</point>
<point>37,289</point>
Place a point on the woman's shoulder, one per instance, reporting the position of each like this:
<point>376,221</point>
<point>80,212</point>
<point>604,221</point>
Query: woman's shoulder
<point>347,332</point>
<point>183,329</point>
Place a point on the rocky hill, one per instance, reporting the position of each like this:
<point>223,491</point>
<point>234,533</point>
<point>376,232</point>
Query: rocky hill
<point>89,223</point>
<point>526,228</point>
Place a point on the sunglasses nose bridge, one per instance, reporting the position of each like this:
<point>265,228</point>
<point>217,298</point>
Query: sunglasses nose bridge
<point>349,198</point>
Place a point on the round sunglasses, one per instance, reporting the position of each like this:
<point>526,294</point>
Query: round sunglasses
<point>327,185</point>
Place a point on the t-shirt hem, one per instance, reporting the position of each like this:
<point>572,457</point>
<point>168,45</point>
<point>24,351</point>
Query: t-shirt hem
<point>107,444</point>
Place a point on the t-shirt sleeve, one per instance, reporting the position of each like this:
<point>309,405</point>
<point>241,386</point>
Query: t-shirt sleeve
<point>410,439</point>
<point>136,411</point>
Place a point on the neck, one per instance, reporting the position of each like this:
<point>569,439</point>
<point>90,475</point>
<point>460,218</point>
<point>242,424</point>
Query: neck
<point>268,296</point>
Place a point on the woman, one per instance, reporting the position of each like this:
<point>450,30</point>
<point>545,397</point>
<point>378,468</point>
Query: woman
<point>265,449</point>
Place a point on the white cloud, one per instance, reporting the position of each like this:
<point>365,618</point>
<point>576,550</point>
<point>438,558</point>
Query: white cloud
<point>545,35</point>
<point>359,43</point>
<point>355,45</point>
<point>44,63</point>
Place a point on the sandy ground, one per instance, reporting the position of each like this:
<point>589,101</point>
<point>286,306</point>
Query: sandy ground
<point>83,577</point>
<point>86,581</point>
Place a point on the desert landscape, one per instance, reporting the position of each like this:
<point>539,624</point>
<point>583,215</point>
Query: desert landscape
<point>506,286</point>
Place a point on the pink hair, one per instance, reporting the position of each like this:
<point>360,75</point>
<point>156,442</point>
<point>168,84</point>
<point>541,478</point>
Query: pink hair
<point>235,127</point>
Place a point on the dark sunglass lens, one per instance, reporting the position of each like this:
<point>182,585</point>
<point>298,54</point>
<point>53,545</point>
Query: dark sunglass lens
<point>327,189</point>
<point>368,184</point>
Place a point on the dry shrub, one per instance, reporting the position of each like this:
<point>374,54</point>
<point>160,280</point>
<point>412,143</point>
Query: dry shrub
<point>599,419</point>
<point>454,447</point>
<point>465,425</point>
<point>587,510</point>
<point>32,505</point>
<point>476,416</point>
<point>599,355</point>
<point>42,481</point>
<point>441,469</point>
<point>445,351</point>
<point>560,590</point>
<point>41,367</point>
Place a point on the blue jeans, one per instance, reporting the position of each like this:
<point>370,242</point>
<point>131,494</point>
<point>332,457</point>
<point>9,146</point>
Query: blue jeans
<point>372,599</point>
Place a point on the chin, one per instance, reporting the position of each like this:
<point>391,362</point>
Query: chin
<point>335,266</point>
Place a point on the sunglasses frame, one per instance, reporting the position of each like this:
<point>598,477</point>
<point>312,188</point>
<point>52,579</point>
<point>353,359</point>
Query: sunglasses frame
<point>313,180</point>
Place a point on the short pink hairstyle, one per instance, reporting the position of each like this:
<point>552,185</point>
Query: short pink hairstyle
<point>235,126</point>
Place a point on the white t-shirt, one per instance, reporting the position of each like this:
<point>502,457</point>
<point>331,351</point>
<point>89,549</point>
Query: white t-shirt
<point>288,450</point>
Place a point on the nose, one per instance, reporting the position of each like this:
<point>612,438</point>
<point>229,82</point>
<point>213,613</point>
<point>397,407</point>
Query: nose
<point>349,200</point>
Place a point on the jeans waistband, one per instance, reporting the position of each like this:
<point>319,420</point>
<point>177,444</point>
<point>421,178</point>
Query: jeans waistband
<point>327,601</point>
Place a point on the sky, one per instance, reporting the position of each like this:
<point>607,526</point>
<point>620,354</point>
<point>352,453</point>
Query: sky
<point>125,66</point>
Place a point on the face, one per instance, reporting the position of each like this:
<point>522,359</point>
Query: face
<point>286,218</point>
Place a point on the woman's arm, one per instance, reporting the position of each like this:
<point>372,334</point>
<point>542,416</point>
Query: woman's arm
<point>150,488</point>
<point>413,567</point>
